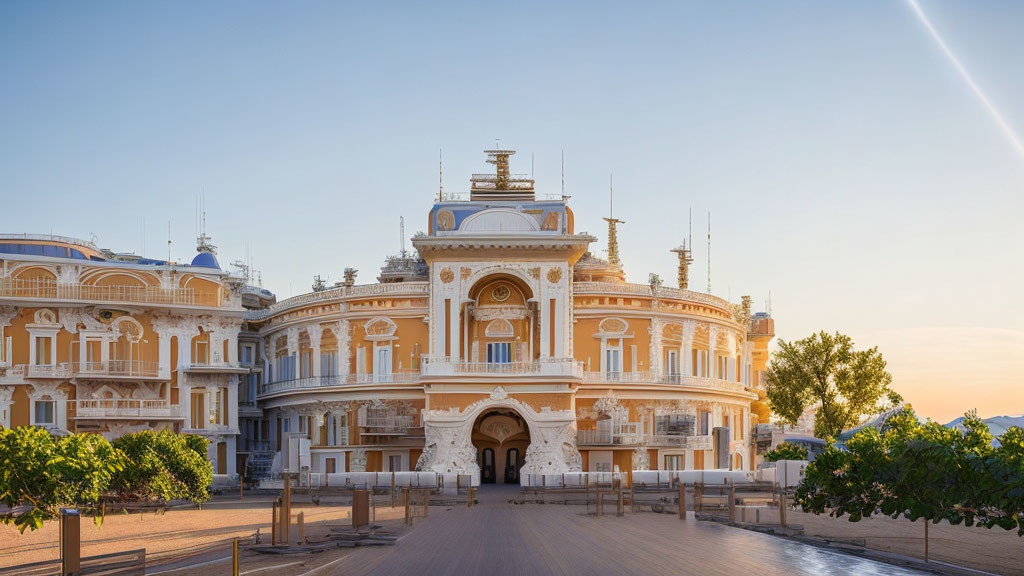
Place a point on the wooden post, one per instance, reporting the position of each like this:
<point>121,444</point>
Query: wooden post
<point>782,507</point>
<point>698,498</point>
<point>274,522</point>
<point>392,488</point>
<point>622,503</point>
<point>241,487</point>
<point>732,504</point>
<point>408,519</point>
<point>70,541</point>
<point>301,521</point>
<point>426,503</point>
<point>925,539</point>
<point>599,502</point>
<point>285,533</point>
<point>234,557</point>
<point>682,501</point>
<point>632,497</point>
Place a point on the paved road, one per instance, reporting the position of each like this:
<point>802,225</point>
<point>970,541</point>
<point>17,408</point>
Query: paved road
<point>497,538</point>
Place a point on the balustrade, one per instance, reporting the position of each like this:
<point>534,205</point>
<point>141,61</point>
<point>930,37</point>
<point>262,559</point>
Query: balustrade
<point>123,408</point>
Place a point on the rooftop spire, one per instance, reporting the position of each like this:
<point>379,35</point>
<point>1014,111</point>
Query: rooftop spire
<point>502,185</point>
<point>613,237</point>
<point>685,258</point>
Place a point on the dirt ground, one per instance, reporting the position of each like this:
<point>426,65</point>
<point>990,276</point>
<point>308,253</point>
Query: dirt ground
<point>997,551</point>
<point>186,535</point>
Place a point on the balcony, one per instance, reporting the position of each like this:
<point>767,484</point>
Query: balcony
<point>548,367</point>
<point>315,382</point>
<point>42,372</point>
<point>124,408</point>
<point>675,441</point>
<point>215,368</point>
<point>44,289</point>
<point>119,370</point>
<point>391,425</point>
<point>654,377</point>
<point>606,438</point>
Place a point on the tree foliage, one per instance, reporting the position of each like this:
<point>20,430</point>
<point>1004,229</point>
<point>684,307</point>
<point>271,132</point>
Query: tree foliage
<point>163,466</point>
<point>825,369</point>
<point>786,451</point>
<point>40,474</point>
<point>922,470</point>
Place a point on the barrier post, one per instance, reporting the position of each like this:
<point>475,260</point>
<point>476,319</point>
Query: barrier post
<point>274,522</point>
<point>682,501</point>
<point>392,488</point>
<point>732,504</point>
<point>925,539</point>
<point>70,541</point>
<point>285,533</point>
<point>407,518</point>
<point>698,498</point>
<point>782,507</point>
<point>622,501</point>
<point>241,487</point>
<point>234,557</point>
<point>301,521</point>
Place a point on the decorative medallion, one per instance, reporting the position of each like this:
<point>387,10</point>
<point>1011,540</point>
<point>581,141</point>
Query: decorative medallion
<point>535,272</point>
<point>499,394</point>
<point>550,221</point>
<point>445,220</point>
<point>500,293</point>
<point>554,275</point>
<point>612,326</point>
<point>466,271</point>
<point>447,275</point>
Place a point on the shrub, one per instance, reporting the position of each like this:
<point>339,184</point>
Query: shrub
<point>786,451</point>
<point>163,466</point>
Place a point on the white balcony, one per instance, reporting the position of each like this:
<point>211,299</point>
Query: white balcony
<point>215,368</point>
<point>124,408</point>
<point>315,382</point>
<point>606,437</point>
<point>45,289</point>
<point>118,370</point>
<point>51,371</point>
<point>654,377</point>
<point>549,367</point>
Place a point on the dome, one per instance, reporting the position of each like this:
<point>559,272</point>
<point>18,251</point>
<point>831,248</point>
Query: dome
<point>205,260</point>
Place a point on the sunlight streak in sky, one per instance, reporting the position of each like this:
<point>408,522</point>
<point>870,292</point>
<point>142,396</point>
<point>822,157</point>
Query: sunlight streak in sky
<point>1014,139</point>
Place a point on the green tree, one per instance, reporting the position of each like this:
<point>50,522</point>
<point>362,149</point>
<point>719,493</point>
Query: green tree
<point>786,451</point>
<point>921,470</point>
<point>163,466</point>
<point>40,474</point>
<point>825,369</point>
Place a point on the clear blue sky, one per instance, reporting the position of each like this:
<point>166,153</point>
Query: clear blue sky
<point>848,167</point>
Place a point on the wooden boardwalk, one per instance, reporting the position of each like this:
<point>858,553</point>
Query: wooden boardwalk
<point>498,538</point>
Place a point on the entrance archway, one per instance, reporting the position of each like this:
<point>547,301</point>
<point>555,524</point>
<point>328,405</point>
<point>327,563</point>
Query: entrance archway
<point>500,437</point>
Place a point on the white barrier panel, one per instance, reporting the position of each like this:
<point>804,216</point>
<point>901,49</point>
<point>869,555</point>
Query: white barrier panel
<point>569,479</point>
<point>790,473</point>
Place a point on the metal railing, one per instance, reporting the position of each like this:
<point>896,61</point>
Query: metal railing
<point>62,370</point>
<point>394,423</point>
<point>654,377</point>
<point>396,288</point>
<point>645,290</point>
<point>123,408</point>
<point>267,388</point>
<point>448,366</point>
<point>599,437</point>
<point>139,368</point>
<point>46,289</point>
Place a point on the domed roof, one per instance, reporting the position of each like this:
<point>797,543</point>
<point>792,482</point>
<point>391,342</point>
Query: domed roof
<point>205,260</point>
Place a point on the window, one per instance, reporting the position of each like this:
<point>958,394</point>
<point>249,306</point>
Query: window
<point>45,412</point>
<point>44,351</point>
<point>395,463</point>
<point>499,352</point>
<point>705,423</point>
<point>201,353</point>
<point>382,364</point>
<point>613,363</point>
<point>674,462</point>
<point>248,354</point>
<point>672,363</point>
<point>329,364</point>
<point>674,425</point>
<point>331,465</point>
<point>198,409</point>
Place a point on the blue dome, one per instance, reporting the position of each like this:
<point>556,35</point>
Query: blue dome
<point>206,260</point>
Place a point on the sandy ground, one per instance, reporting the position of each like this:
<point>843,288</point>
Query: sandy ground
<point>186,535</point>
<point>997,551</point>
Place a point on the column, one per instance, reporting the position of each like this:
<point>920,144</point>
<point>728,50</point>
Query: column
<point>712,359</point>
<point>456,325</point>
<point>232,407</point>
<point>315,334</point>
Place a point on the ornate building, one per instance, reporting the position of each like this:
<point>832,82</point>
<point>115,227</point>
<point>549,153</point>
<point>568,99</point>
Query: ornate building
<point>505,348</point>
<point>502,347</point>
<point>92,341</point>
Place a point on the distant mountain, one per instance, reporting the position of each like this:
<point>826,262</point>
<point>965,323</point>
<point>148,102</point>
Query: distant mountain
<point>996,424</point>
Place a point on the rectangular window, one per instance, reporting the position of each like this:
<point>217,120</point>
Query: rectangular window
<point>198,409</point>
<point>705,423</point>
<point>613,363</point>
<point>329,364</point>
<point>331,465</point>
<point>44,412</point>
<point>674,462</point>
<point>672,363</point>
<point>248,354</point>
<point>382,364</point>
<point>395,464</point>
<point>44,352</point>
<point>499,352</point>
<point>201,354</point>
<point>674,425</point>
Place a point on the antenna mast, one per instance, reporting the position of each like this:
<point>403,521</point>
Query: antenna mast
<point>168,241</point>
<point>440,175</point>
<point>709,252</point>
<point>401,232</point>
<point>563,174</point>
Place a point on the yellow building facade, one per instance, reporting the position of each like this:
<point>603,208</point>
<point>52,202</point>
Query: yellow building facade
<point>92,341</point>
<point>506,348</point>
<point>502,347</point>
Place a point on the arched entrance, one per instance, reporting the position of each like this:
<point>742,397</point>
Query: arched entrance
<point>500,437</point>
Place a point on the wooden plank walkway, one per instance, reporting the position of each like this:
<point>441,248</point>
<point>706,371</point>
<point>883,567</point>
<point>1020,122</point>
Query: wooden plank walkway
<point>497,538</point>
